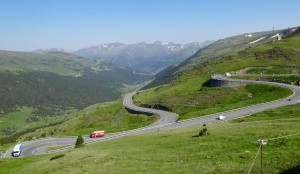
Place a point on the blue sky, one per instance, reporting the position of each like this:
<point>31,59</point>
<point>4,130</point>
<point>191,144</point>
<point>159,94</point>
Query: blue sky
<point>70,24</point>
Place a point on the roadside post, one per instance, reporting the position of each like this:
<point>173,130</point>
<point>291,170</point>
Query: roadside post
<point>262,143</point>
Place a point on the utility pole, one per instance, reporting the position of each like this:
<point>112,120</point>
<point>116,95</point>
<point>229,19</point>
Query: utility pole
<point>261,142</point>
<point>261,166</point>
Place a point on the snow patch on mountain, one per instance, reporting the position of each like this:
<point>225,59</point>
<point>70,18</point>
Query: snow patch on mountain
<point>257,40</point>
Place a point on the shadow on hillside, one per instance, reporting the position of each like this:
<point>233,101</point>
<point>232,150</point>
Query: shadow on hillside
<point>294,170</point>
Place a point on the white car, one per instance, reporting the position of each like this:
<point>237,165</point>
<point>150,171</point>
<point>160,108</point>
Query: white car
<point>221,117</point>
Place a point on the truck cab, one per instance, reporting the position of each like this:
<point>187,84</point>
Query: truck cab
<point>97,134</point>
<point>17,150</point>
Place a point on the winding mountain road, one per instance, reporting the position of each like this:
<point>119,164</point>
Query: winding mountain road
<point>167,121</point>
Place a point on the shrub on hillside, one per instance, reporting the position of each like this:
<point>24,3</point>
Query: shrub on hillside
<point>79,142</point>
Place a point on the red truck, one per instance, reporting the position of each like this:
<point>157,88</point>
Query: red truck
<point>97,134</point>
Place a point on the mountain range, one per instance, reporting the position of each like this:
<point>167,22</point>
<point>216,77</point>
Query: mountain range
<point>142,56</point>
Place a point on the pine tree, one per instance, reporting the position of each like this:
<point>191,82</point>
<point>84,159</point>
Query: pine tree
<point>203,132</point>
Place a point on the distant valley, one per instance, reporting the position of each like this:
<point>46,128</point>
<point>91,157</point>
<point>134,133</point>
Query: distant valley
<point>53,83</point>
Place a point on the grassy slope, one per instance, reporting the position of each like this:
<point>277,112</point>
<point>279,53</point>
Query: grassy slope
<point>230,148</point>
<point>56,62</point>
<point>66,64</point>
<point>111,117</point>
<point>273,74</point>
<point>17,119</point>
<point>287,79</point>
<point>273,70</point>
<point>213,100</point>
<point>225,47</point>
<point>187,85</point>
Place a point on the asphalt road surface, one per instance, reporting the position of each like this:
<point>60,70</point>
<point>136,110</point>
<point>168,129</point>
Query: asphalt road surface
<point>167,121</point>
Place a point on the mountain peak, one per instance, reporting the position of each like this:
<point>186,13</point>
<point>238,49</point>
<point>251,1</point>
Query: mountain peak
<point>158,42</point>
<point>163,43</point>
<point>112,45</point>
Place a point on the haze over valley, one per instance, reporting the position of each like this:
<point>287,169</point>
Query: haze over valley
<point>150,58</point>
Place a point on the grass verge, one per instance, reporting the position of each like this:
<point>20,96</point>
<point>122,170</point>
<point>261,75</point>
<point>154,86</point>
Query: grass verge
<point>230,147</point>
<point>284,79</point>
